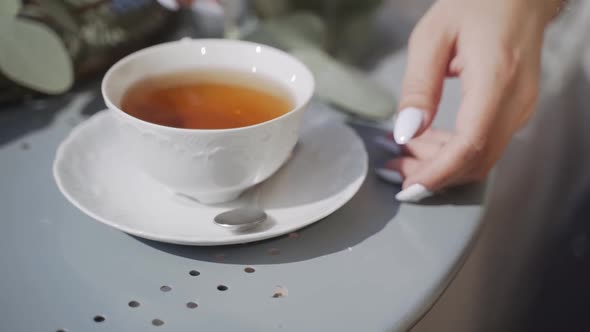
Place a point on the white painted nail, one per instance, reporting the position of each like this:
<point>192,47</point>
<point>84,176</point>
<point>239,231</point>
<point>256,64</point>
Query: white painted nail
<point>169,4</point>
<point>413,193</point>
<point>388,144</point>
<point>389,175</point>
<point>407,123</point>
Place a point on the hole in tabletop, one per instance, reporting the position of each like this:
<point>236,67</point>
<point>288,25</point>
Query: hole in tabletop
<point>249,270</point>
<point>99,319</point>
<point>157,322</point>
<point>280,291</point>
<point>222,288</point>
<point>191,305</point>
<point>134,304</point>
<point>194,273</point>
<point>165,288</point>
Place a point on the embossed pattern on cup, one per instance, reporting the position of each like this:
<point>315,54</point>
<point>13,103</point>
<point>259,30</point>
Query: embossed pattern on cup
<point>210,165</point>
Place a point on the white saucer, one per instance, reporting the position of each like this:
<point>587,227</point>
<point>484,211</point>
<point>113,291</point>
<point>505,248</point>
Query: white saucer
<point>328,167</point>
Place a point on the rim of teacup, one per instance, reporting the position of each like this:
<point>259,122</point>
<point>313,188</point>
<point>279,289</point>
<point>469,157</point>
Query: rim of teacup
<point>130,57</point>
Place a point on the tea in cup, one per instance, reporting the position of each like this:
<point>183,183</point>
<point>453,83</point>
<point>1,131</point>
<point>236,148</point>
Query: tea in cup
<point>208,118</point>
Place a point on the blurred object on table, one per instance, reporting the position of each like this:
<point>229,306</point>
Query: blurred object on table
<point>67,41</point>
<point>48,44</point>
<point>336,39</point>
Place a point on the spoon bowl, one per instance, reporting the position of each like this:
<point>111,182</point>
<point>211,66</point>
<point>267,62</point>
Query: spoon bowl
<point>240,219</point>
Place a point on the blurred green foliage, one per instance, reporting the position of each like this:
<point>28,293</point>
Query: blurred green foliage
<point>45,45</point>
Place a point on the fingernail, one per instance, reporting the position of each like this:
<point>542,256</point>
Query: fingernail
<point>413,193</point>
<point>407,123</point>
<point>169,4</point>
<point>388,144</point>
<point>389,175</point>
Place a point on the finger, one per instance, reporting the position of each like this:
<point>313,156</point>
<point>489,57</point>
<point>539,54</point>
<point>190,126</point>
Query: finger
<point>429,52</point>
<point>389,175</point>
<point>436,135</point>
<point>422,149</point>
<point>397,169</point>
<point>427,145</point>
<point>468,151</point>
<point>437,173</point>
<point>388,144</point>
<point>406,166</point>
<point>430,136</point>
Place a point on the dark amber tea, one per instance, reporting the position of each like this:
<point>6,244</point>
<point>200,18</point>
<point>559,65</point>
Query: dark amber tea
<point>213,99</point>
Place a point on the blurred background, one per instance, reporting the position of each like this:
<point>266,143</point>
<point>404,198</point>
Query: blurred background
<point>529,268</point>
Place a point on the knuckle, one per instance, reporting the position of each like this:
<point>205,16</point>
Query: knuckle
<point>473,148</point>
<point>420,88</point>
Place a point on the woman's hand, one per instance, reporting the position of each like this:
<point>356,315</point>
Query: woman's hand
<point>494,47</point>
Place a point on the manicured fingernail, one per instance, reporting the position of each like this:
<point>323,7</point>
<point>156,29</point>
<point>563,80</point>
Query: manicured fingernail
<point>389,175</point>
<point>407,123</point>
<point>169,4</point>
<point>388,144</point>
<point>413,193</point>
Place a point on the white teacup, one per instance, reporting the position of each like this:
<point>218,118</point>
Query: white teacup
<point>211,165</point>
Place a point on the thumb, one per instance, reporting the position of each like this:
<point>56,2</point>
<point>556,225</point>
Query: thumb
<point>429,52</point>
